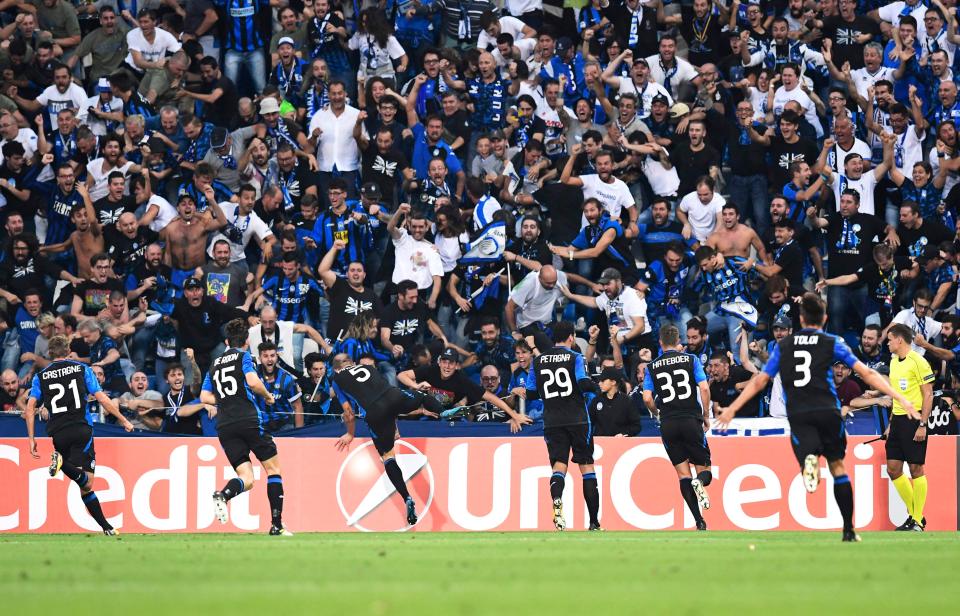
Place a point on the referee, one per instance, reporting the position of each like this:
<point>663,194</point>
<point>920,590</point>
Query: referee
<point>906,434</point>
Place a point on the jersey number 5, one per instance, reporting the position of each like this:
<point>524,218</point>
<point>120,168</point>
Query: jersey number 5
<point>361,373</point>
<point>559,377</point>
<point>59,391</point>
<point>803,367</point>
<point>226,384</point>
<point>682,383</point>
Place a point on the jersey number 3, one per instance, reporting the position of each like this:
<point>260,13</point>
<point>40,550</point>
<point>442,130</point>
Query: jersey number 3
<point>559,377</point>
<point>802,366</point>
<point>671,386</point>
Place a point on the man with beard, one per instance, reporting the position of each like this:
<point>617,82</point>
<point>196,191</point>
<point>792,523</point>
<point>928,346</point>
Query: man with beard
<point>10,130</point>
<point>779,209</point>
<point>283,335</point>
<point>781,52</point>
<point>403,324</point>
<point>198,320</point>
<point>428,143</point>
<point>281,130</point>
<point>916,232</point>
<point>183,407</point>
<point>669,70</point>
<point>109,208</point>
<point>624,308</point>
<point>257,167</point>
<point>12,226</point>
<point>61,199</point>
<point>612,192</point>
<point>186,236</point>
<point>849,32</point>
<point>294,177</point>
<point>694,158</point>
<point>226,282</point>
<point>288,70</point>
<point>287,404</point>
<point>87,238</point>
<point>24,268</point>
<point>785,149</point>
<point>666,282</point>
<point>62,140</point>
<point>385,165</point>
<point>874,354</point>
<point>63,94</point>
<point>127,244</point>
<point>13,398</point>
<point>243,225</point>
<point>331,132</point>
<point>601,243</point>
<point>99,169</point>
<point>91,295</point>
<point>226,150</point>
<point>655,237</point>
<point>140,404</point>
<point>348,296</point>
<point>528,246</point>
<point>734,238</point>
<point>702,26</point>
<point>855,178</point>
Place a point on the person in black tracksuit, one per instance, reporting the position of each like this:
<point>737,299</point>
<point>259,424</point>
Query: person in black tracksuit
<point>558,377</point>
<point>614,413</point>
<point>670,390</point>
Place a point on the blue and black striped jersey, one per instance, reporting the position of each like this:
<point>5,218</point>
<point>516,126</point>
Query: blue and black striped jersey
<point>289,298</point>
<point>59,225</point>
<point>243,27</point>
<point>331,227</point>
<point>727,282</point>
<point>285,392</point>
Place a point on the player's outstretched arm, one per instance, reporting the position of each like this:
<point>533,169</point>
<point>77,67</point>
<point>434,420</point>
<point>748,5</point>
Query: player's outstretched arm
<point>754,386</point>
<point>873,380</point>
<point>349,422</point>
<point>28,415</point>
<point>516,419</point>
<point>257,387</point>
<point>107,404</point>
<point>704,403</point>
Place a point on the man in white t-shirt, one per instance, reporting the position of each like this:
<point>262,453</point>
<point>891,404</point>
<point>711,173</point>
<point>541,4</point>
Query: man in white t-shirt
<point>893,12</point>
<point>63,94</point>
<point>639,83</point>
<point>11,131</point>
<point>149,45</point>
<point>918,319</point>
<point>493,27</point>
<point>854,177</point>
<point>243,224</point>
<point>99,169</point>
<point>668,70</point>
<point>700,211</point>
<point>534,299</point>
<point>416,259</point>
<point>612,192</point>
<point>626,310</point>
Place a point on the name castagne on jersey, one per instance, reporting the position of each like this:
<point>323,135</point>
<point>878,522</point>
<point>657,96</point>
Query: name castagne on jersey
<point>64,371</point>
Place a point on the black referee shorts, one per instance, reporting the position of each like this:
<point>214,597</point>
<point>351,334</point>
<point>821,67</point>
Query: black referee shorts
<point>239,439</point>
<point>820,433</point>
<point>562,440</point>
<point>900,443</point>
<point>75,443</point>
<point>685,441</point>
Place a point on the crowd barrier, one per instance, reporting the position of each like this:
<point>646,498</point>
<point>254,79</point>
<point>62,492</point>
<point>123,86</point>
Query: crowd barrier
<point>468,484</point>
<point>864,423</point>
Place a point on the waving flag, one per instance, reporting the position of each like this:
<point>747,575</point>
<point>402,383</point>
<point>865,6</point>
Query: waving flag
<point>488,246</point>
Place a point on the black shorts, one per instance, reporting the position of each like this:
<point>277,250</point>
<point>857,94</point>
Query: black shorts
<point>820,433</point>
<point>381,418</point>
<point>900,443</point>
<point>238,440</point>
<point>561,440</point>
<point>685,441</point>
<point>75,444</point>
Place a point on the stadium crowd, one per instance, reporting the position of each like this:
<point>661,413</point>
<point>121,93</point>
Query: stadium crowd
<point>344,175</point>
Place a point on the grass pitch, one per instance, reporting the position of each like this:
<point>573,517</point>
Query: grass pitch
<point>505,573</point>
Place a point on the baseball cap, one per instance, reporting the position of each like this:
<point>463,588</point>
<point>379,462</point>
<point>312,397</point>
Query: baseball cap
<point>449,354</point>
<point>611,273</point>
<point>218,138</point>
<point>930,251</point>
<point>660,98</point>
<point>782,322</point>
<point>498,134</point>
<point>269,105</point>
<point>679,110</point>
<point>642,61</point>
<point>371,190</point>
<point>286,40</point>
<point>563,44</point>
<point>192,283</point>
<point>611,374</point>
<point>103,85</point>
<point>851,156</point>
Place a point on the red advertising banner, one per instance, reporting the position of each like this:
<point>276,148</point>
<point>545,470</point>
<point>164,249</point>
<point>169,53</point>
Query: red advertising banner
<point>473,484</point>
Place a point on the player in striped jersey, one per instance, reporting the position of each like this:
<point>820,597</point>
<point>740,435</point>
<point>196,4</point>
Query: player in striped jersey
<point>733,301</point>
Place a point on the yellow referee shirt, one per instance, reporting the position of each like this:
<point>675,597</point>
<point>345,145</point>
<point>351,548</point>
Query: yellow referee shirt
<point>906,376</point>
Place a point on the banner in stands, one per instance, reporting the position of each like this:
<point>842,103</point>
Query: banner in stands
<point>472,484</point>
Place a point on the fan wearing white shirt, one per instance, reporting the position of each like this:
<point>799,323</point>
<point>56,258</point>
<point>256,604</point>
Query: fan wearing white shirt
<point>612,192</point>
<point>918,319</point>
<point>700,211</point>
<point>484,205</point>
<point>854,177</point>
<point>493,27</point>
<point>639,82</point>
<point>149,45</point>
<point>670,71</point>
<point>791,90</point>
<point>890,14</point>
<point>11,131</point>
<point>63,94</point>
<point>243,224</point>
<point>331,129</point>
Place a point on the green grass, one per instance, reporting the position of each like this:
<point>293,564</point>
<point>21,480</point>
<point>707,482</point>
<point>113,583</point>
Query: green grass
<point>505,573</point>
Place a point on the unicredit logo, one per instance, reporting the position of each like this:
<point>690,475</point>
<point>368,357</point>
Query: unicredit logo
<point>367,499</point>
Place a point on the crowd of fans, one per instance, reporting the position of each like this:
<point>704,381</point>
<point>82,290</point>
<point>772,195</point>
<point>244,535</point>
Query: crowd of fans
<point>335,173</point>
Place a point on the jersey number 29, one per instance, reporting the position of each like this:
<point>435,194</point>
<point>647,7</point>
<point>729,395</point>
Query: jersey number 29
<point>680,380</point>
<point>559,377</point>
